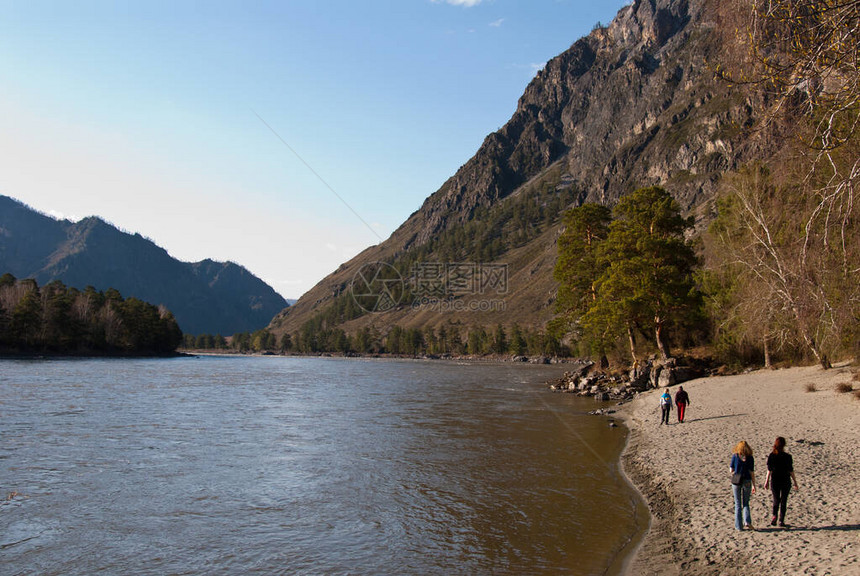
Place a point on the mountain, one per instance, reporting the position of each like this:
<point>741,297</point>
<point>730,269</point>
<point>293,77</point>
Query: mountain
<point>633,104</point>
<point>207,296</point>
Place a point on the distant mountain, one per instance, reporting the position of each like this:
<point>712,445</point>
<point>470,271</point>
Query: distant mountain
<point>633,104</point>
<point>207,296</point>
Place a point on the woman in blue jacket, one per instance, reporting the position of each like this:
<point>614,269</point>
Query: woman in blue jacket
<point>743,484</point>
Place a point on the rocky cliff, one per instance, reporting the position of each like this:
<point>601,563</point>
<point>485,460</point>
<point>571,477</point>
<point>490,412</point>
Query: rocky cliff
<point>633,104</point>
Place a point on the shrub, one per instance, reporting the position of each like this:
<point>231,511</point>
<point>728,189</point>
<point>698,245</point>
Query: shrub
<point>844,387</point>
<point>810,387</point>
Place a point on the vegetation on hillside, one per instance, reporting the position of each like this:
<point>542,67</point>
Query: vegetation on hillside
<point>495,230</point>
<point>491,232</point>
<point>56,319</point>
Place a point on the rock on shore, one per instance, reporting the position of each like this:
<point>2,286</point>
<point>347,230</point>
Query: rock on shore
<point>587,380</point>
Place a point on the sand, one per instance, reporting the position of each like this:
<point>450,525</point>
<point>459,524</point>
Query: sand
<point>682,471</point>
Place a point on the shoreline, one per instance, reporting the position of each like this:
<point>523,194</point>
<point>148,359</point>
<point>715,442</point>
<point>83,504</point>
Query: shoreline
<point>36,355</point>
<point>477,359</point>
<point>681,471</point>
<point>623,561</point>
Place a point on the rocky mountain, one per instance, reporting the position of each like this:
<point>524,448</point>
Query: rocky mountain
<point>207,296</point>
<point>635,103</point>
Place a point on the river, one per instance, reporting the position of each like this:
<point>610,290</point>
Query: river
<point>306,466</point>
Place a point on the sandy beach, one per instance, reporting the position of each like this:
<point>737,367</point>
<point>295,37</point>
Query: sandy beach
<point>682,470</point>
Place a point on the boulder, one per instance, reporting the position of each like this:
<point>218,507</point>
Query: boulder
<point>666,378</point>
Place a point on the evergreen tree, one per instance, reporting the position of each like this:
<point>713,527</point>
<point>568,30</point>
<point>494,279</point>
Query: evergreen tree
<point>286,342</point>
<point>500,340</point>
<point>455,341</point>
<point>578,270</point>
<point>648,277</point>
<point>27,319</point>
<point>477,340</point>
<point>517,345</point>
<point>394,340</point>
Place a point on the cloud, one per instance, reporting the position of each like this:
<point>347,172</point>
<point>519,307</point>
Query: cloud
<point>465,3</point>
<point>532,69</point>
<point>497,23</point>
<point>537,67</point>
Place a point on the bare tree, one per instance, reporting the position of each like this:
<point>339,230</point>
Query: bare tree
<point>783,286</point>
<point>806,53</point>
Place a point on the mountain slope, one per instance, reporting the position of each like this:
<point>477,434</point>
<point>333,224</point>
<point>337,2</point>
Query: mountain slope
<point>206,296</point>
<point>632,104</point>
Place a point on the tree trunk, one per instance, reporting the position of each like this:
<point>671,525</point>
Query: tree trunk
<point>632,342</point>
<point>810,343</point>
<point>767,363</point>
<point>658,335</point>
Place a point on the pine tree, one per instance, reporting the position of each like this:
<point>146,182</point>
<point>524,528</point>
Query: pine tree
<point>648,278</point>
<point>517,345</point>
<point>500,340</point>
<point>578,269</point>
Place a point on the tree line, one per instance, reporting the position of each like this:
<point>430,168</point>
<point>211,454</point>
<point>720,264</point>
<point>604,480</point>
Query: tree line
<point>448,339</point>
<point>57,319</point>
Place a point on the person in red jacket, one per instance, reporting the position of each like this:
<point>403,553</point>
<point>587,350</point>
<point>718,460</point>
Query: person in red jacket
<point>682,399</point>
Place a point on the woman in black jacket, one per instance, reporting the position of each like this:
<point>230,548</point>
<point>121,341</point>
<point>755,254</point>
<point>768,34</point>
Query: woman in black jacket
<point>780,474</point>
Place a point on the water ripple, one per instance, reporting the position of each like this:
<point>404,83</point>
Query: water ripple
<point>302,466</point>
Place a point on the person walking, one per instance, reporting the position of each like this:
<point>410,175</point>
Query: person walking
<point>682,399</point>
<point>780,474</point>
<point>665,407</point>
<point>743,484</point>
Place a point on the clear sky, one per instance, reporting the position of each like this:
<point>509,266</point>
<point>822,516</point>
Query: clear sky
<point>178,119</point>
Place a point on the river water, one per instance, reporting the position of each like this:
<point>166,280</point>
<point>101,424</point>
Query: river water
<point>307,466</point>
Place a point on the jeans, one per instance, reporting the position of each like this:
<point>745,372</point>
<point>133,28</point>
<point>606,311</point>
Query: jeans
<point>664,419</point>
<point>780,498</point>
<point>742,504</point>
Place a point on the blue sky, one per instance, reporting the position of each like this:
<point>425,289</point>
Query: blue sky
<point>176,119</point>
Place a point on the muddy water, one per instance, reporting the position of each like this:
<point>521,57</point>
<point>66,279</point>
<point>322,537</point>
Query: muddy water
<point>220,465</point>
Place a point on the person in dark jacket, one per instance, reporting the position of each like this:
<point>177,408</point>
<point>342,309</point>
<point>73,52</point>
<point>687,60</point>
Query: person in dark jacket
<point>682,399</point>
<point>780,474</point>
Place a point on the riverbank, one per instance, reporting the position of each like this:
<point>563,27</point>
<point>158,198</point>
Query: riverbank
<point>476,358</point>
<point>682,471</point>
<point>18,354</point>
